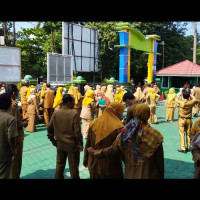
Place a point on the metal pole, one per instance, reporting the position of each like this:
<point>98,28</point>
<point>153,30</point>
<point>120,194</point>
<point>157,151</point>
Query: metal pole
<point>195,42</point>
<point>13,34</point>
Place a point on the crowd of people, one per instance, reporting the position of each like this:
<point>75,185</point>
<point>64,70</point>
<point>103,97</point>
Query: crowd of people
<point>97,117</point>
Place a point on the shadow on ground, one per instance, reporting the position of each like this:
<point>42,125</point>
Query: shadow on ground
<point>177,169</point>
<point>44,174</point>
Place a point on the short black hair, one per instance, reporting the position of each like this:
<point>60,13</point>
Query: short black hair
<point>186,93</point>
<point>48,85</point>
<point>129,96</point>
<point>5,101</point>
<point>11,88</point>
<point>67,98</point>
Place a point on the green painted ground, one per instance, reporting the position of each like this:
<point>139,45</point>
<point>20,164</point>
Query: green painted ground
<point>39,155</point>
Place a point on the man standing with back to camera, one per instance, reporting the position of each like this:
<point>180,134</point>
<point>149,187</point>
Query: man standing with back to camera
<point>64,131</point>
<point>48,97</point>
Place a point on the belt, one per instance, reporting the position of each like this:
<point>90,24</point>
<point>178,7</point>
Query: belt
<point>185,117</point>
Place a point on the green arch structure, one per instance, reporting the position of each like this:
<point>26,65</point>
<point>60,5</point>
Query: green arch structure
<point>131,37</point>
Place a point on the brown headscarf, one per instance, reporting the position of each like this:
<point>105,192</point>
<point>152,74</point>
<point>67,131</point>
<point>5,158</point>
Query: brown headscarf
<point>108,121</point>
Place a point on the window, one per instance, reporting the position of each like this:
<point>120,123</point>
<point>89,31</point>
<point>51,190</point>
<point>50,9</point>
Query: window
<point>165,82</point>
<point>178,82</point>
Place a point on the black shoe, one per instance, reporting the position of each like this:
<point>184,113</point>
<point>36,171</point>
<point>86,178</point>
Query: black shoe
<point>188,149</point>
<point>182,151</point>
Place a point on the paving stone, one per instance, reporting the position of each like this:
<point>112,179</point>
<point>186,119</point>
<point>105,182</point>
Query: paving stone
<point>39,155</point>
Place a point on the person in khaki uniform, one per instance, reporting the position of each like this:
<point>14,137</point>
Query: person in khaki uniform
<point>195,149</point>
<point>141,146</point>
<point>48,97</point>
<point>102,133</point>
<point>152,99</point>
<point>87,112</point>
<point>23,94</point>
<point>185,118</point>
<point>8,134</point>
<point>170,105</point>
<point>12,90</point>
<point>58,99</point>
<point>78,98</point>
<point>64,131</point>
<point>32,111</point>
<point>196,94</point>
<point>146,91</point>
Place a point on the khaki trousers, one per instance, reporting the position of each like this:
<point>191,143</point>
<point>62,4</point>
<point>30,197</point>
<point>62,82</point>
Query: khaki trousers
<point>73,160</point>
<point>17,162</point>
<point>184,126</point>
<point>24,110</point>
<point>47,115</point>
<point>170,113</point>
<point>85,126</point>
<point>153,117</point>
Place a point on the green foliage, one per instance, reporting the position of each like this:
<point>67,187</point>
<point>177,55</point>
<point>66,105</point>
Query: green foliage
<point>36,42</point>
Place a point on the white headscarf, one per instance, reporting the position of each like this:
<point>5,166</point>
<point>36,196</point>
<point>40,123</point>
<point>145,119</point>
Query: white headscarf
<point>32,94</point>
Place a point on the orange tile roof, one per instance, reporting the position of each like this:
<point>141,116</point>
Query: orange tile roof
<point>184,68</point>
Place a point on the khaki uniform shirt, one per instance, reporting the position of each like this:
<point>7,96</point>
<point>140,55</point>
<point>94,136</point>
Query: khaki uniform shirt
<point>23,93</point>
<point>151,102</point>
<point>196,93</point>
<point>8,129</point>
<point>185,107</point>
<point>14,111</point>
<point>88,111</point>
<point>65,125</point>
<point>48,97</point>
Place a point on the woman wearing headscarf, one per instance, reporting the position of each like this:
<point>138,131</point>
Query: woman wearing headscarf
<point>78,100</point>
<point>87,88</point>
<point>87,111</point>
<point>109,93</point>
<point>170,105</point>
<point>102,133</point>
<point>98,89</point>
<point>141,145</point>
<point>71,90</point>
<point>32,111</point>
<point>138,94</point>
<point>103,89</point>
<point>42,92</point>
<point>118,95</point>
<point>152,99</point>
<point>58,99</point>
<point>103,102</point>
<point>29,91</point>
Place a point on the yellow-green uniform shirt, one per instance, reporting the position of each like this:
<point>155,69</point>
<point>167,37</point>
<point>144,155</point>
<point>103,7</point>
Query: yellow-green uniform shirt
<point>185,107</point>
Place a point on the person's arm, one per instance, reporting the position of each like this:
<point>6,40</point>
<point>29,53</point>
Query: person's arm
<point>109,151</point>
<point>12,135</point>
<point>50,131</point>
<point>87,145</point>
<point>36,105</point>
<point>193,130</point>
<point>43,95</point>
<point>77,130</point>
<point>196,153</point>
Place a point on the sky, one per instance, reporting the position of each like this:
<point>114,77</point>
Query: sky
<point>24,24</point>
<point>31,24</point>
